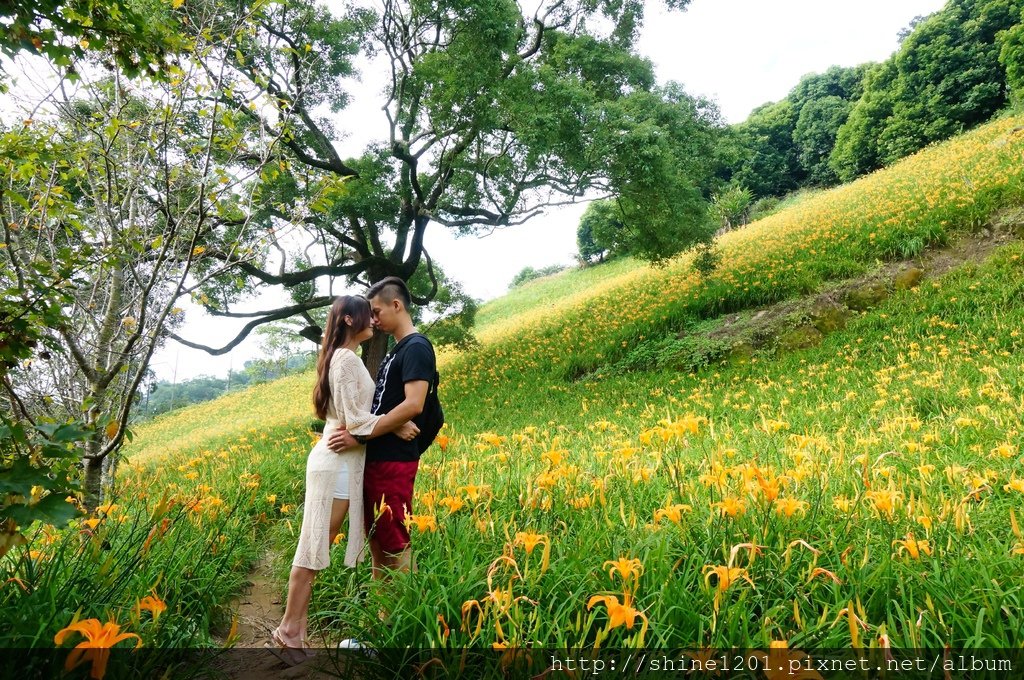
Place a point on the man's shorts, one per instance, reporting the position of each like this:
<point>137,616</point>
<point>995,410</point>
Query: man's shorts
<point>393,481</point>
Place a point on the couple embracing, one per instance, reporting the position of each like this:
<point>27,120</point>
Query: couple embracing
<point>365,464</point>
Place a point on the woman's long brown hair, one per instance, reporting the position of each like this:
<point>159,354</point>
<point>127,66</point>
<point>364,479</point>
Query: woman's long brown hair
<point>336,334</point>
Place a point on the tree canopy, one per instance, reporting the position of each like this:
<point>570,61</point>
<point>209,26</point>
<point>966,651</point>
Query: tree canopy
<point>490,117</point>
<point>945,78</point>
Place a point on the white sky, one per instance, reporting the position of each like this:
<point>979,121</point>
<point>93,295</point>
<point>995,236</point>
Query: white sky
<point>741,53</point>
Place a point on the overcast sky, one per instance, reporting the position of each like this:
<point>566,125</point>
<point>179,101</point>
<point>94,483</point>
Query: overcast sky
<point>741,53</point>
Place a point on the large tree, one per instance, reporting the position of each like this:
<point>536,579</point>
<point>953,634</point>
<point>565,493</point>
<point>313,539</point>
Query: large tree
<point>489,117</point>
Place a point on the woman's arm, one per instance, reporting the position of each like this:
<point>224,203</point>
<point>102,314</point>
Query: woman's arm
<point>351,409</point>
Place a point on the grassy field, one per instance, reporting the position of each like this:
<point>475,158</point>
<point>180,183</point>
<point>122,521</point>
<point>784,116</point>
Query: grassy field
<point>863,492</point>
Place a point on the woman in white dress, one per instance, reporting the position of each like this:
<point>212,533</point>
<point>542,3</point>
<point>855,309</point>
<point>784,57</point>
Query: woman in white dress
<point>334,482</point>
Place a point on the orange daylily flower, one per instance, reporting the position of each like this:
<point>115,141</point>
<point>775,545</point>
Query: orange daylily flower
<point>453,503</point>
<point>726,577</point>
<point>421,522</point>
<point>673,513</point>
<point>883,501</point>
<point>99,638</point>
<point>731,506</point>
<point>530,540</point>
<point>626,568</point>
<point>153,603</point>
<point>912,547</point>
<point>789,506</point>
<point>620,613</point>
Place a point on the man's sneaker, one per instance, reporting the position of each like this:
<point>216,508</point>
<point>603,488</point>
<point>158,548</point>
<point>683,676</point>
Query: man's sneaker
<point>352,643</point>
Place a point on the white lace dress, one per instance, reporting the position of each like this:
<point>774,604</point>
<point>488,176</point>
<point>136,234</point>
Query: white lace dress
<point>351,399</point>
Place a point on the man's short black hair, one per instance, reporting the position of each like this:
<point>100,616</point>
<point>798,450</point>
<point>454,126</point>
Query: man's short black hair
<point>391,288</point>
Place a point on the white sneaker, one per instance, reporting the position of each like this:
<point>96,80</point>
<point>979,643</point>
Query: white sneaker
<point>352,643</point>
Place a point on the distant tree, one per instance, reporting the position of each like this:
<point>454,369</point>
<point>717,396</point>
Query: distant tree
<point>946,77</point>
<point>771,164</point>
<point>587,248</point>
<point>529,274</point>
<point>449,316</point>
<point>822,103</point>
<point>602,231</point>
<point>786,145</point>
<point>856,150</point>
<point>730,205</point>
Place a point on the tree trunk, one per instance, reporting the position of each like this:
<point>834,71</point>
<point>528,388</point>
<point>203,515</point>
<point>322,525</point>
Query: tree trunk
<point>93,484</point>
<point>374,351</point>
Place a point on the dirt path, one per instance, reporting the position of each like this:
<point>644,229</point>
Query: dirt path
<point>258,611</point>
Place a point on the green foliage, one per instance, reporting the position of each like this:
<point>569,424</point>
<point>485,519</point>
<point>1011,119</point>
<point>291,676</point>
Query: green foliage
<point>946,77</point>
<point>1011,56</point>
<point>856,150</point>
<point>137,36</point>
<point>529,274</point>
<point>36,455</point>
<point>953,70</point>
<point>451,309</point>
<point>771,166</point>
<point>763,207</point>
<point>38,479</point>
<point>602,232</point>
<point>787,145</point>
<point>729,206</point>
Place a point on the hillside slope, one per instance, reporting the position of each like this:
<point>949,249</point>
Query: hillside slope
<point>864,487</point>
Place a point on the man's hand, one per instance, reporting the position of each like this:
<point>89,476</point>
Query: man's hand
<point>408,431</point>
<point>341,440</point>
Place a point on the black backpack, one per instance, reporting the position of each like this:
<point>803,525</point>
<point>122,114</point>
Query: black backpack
<point>431,418</point>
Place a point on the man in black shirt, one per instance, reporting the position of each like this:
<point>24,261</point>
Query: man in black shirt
<point>403,380</point>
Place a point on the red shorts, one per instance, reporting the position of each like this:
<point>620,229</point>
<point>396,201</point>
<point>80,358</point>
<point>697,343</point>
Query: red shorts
<point>393,481</point>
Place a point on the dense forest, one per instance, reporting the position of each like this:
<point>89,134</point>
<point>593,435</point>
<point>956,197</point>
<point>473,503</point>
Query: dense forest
<point>953,70</point>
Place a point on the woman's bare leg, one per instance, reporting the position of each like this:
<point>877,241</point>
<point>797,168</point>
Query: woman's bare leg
<point>300,588</point>
<point>293,625</point>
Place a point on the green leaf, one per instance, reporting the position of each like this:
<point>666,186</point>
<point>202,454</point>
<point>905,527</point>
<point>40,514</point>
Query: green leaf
<point>66,432</point>
<point>53,509</point>
<point>21,477</point>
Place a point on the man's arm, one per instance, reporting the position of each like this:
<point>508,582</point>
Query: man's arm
<point>411,406</point>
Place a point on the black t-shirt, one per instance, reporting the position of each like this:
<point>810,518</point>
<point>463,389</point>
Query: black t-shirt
<point>410,360</point>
